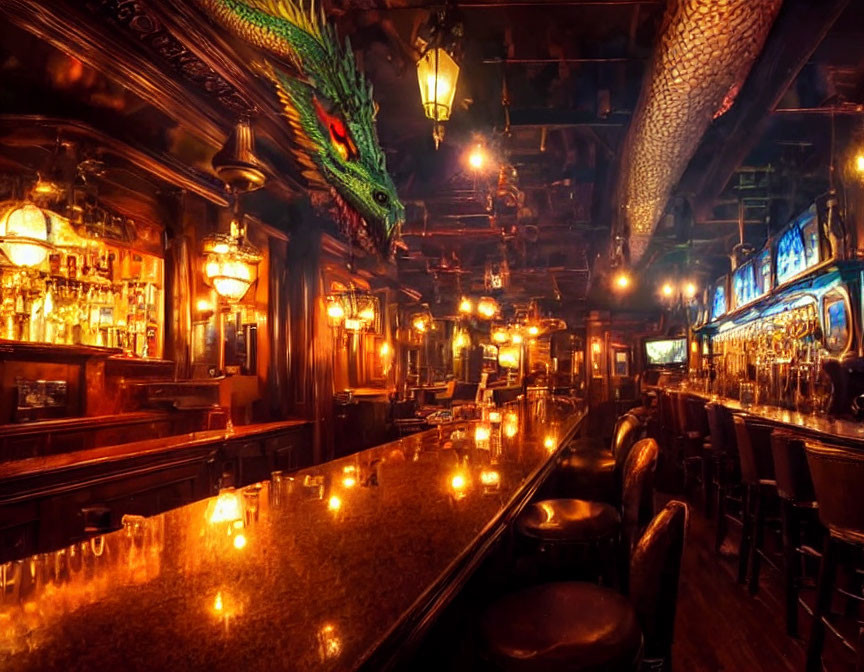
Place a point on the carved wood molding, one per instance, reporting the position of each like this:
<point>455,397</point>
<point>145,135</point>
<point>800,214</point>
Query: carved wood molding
<point>77,34</point>
<point>139,21</point>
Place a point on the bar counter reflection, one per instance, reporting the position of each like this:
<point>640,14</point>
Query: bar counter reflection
<point>309,570</point>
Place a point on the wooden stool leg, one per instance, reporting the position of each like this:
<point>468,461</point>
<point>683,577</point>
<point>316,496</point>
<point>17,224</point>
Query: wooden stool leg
<point>746,534</point>
<point>824,590</point>
<point>758,536</point>
<point>791,531</point>
<point>706,486</point>
<point>722,523</point>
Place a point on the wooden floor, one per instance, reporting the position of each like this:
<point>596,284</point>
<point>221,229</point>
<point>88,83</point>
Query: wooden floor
<point>721,628</point>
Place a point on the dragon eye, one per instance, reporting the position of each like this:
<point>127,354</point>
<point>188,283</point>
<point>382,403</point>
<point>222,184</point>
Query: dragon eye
<point>339,135</point>
<point>342,142</point>
<point>381,198</point>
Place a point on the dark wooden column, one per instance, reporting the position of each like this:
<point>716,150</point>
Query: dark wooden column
<point>179,260</point>
<point>309,338</point>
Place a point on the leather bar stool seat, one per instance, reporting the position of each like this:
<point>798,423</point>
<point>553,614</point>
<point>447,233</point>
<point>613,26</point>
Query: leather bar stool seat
<point>590,471</point>
<point>588,474</point>
<point>571,520</point>
<point>535,629</point>
<point>580,538</point>
<point>587,628</point>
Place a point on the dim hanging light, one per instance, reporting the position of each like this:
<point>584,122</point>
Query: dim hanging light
<point>230,261</point>
<point>438,71</point>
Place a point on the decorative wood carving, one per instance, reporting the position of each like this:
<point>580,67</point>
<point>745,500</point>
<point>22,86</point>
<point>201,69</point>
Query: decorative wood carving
<point>134,17</point>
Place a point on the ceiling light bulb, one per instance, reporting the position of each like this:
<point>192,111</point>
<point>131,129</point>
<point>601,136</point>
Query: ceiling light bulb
<point>477,158</point>
<point>622,280</point>
<point>689,290</point>
<point>667,290</point>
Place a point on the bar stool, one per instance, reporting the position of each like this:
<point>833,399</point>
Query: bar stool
<point>595,474</point>
<point>666,420</point>
<point>726,477</point>
<point>582,627</point>
<point>696,444</point>
<point>757,475</point>
<point>838,478</point>
<point>798,508</point>
<point>560,527</point>
<point>715,452</point>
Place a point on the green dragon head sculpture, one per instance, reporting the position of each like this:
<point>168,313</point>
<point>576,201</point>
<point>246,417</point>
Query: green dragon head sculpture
<point>329,105</point>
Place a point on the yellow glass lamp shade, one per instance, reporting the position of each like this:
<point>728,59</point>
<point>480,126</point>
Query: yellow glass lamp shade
<point>487,308</point>
<point>335,311</point>
<point>508,357</point>
<point>437,74</point>
<point>24,235</point>
<point>231,278</point>
<point>231,265</point>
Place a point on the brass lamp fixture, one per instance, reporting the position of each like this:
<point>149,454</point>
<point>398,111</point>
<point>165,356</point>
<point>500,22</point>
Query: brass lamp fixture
<point>231,262</point>
<point>236,163</point>
<point>437,69</point>
<point>353,309</point>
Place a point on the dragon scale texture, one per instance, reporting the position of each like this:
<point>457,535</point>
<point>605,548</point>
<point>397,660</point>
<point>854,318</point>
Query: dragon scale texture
<point>329,106</point>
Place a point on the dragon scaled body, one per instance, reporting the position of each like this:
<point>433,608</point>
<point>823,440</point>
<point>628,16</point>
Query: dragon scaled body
<point>329,106</point>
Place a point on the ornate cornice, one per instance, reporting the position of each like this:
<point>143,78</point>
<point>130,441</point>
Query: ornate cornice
<point>135,18</point>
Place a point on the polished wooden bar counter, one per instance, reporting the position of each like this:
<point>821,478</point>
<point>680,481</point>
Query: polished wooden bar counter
<point>336,567</point>
<point>822,427</point>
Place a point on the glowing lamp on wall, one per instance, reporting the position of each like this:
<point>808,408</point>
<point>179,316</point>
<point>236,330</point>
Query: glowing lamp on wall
<point>487,308</point>
<point>24,235</point>
<point>335,312</point>
<point>508,357</point>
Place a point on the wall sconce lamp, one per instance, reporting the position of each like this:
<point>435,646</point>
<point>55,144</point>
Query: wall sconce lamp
<point>24,230</point>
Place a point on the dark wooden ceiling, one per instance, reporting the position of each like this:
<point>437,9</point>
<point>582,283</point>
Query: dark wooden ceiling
<point>573,71</point>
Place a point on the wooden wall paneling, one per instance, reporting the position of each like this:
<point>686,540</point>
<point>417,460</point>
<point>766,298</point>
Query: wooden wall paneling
<point>276,356</point>
<point>75,32</point>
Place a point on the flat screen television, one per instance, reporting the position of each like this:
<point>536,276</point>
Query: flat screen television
<point>666,351</point>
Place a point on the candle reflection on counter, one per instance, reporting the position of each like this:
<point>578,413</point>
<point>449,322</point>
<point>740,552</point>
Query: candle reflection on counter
<point>329,642</point>
<point>459,483</point>
<point>226,508</point>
